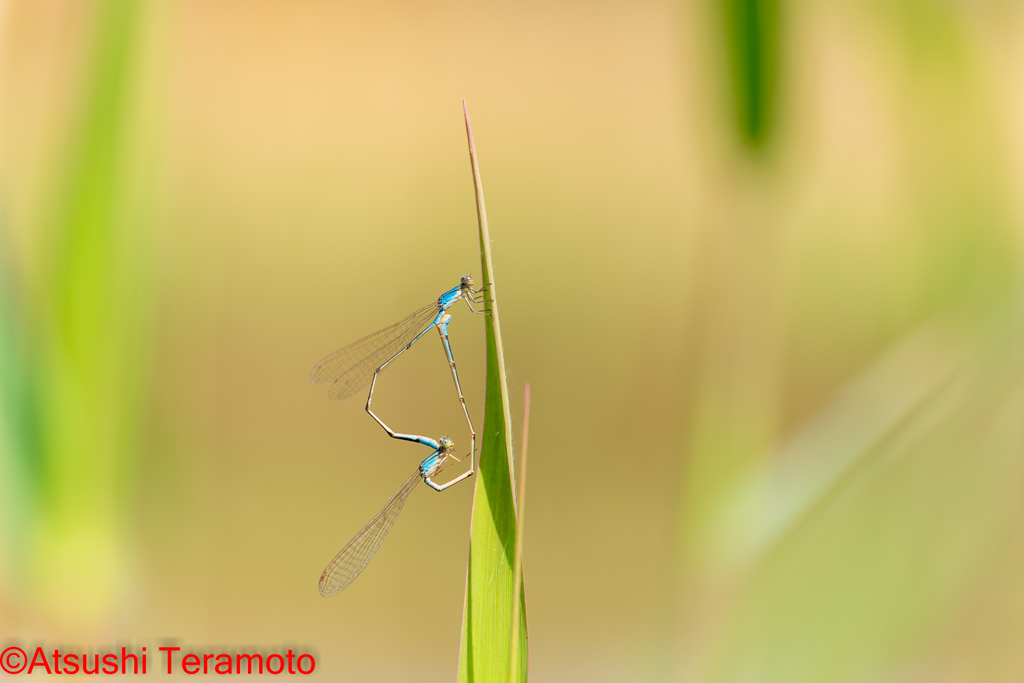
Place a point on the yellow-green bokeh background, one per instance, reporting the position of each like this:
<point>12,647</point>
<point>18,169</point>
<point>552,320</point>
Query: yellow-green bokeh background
<point>777,425</point>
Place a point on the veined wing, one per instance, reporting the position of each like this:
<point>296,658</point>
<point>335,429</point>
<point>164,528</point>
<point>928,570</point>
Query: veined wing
<point>349,369</point>
<point>354,557</point>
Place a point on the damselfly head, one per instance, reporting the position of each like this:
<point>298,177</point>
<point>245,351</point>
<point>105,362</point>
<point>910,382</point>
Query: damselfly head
<point>447,445</point>
<point>467,280</point>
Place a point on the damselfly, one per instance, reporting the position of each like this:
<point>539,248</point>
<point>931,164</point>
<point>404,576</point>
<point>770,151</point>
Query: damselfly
<point>348,369</point>
<point>354,557</point>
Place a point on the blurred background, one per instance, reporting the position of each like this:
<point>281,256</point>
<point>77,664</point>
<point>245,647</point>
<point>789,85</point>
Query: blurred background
<point>760,260</point>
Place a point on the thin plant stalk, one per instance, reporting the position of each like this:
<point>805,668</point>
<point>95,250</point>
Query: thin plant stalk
<point>517,569</point>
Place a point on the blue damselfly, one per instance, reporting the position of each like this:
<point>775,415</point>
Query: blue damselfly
<point>348,369</point>
<point>358,552</point>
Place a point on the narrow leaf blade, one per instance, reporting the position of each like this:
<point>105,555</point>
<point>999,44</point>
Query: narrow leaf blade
<point>487,612</point>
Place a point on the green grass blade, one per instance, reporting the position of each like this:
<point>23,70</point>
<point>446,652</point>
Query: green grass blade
<point>487,613</point>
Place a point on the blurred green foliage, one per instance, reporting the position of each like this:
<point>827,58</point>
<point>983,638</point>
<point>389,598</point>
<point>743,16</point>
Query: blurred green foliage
<point>751,28</point>
<point>76,348</point>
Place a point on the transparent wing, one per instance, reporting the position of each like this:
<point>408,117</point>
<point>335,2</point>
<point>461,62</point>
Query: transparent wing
<point>354,557</point>
<point>349,369</point>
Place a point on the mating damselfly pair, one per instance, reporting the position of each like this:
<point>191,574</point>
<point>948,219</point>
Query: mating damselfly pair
<point>347,370</point>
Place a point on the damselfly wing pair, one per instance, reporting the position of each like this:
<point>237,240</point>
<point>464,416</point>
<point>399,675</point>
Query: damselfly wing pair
<point>348,370</point>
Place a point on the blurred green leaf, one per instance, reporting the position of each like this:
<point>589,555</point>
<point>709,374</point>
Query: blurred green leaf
<point>871,525</point>
<point>93,299</point>
<point>18,447</point>
<point>750,29</point>
<point>774,498</point>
